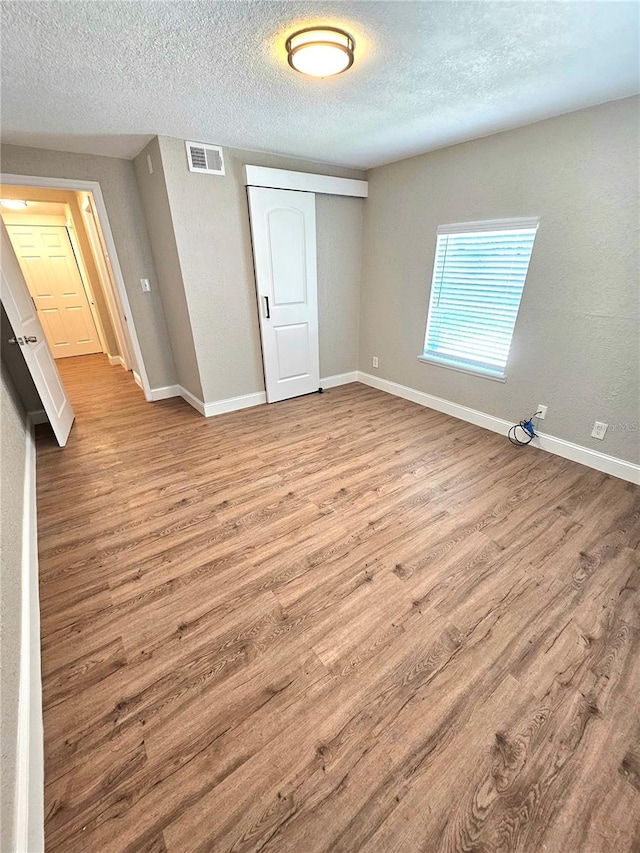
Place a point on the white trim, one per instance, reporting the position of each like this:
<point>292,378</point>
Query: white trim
<point>592,458</point>
<point>138,381</point>
<point>283,179</point>
<point>523,223</point>
<point>219,407</point>
<point>103,218</point>
<point>29,802</point>
<point>477,371</point>
<point>244,401</point>
<point>339,379</point>
<point>191,399</point>
<point>558,446</point>
<point>233,404</point>
<point>165,392</point>
<point>38,416</point>
<point>464,413</point>
<point>115,360</point>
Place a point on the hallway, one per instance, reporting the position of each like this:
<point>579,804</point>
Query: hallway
<point>343,622</point>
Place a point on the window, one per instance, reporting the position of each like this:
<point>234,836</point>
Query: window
<point>478,277</point>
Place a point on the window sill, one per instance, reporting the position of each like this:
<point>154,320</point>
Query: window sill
<point>474,371</point>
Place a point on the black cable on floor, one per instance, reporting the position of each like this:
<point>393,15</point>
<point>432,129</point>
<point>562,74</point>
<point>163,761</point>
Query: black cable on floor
<point>527,428</point>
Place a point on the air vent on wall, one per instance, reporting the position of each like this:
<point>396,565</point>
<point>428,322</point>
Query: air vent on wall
<point>205,158</point>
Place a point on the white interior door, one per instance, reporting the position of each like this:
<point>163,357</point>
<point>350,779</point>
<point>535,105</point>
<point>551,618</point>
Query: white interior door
<point>51,272</point>
<point>30,337</point>
<point>283,225</point>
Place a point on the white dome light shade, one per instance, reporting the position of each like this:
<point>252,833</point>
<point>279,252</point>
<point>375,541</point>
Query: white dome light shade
<point>320,51</point>
<point>13,203</point>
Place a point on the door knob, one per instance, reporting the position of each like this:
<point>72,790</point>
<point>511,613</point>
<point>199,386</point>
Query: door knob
<point>30,339</point>
<point>16,341</point>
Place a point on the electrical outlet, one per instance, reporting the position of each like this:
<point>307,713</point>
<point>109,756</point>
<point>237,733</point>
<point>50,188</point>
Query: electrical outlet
<point>542,411</point>
<point>145,285</point>
<point>599,430</point>
<point>375,361</point>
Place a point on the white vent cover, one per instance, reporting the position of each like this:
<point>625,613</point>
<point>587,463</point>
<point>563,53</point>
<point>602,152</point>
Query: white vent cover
<point>205,158</point>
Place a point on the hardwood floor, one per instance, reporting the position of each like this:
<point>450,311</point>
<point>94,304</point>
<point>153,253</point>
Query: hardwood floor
<point>339,623</point>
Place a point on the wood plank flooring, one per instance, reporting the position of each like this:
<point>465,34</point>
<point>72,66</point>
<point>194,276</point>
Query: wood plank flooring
<point>339,623</point>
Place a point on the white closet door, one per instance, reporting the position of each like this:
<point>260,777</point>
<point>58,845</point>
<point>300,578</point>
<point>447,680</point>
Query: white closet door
<point>50,269</point>
<point>283,225</point>
<point>30,337</point>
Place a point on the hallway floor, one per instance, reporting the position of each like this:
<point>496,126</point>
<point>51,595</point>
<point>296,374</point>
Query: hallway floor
<point>338,623</point>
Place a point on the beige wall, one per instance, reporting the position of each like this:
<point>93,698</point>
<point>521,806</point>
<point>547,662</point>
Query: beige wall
<point>211,225</point>
<point>160,225</point>
<point>339,232</point>
<point>117,181</point>
<point>12,468</point>
<point>576,346</point>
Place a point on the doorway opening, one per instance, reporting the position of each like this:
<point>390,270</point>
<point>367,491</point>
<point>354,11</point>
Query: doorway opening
<point>61,237</point>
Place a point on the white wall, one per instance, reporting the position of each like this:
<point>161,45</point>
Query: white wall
<point>576,346</point>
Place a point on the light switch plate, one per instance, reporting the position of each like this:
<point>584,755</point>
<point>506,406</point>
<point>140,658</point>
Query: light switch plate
<point>145,285</point>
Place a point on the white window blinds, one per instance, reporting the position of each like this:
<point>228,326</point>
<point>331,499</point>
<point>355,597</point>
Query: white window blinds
<point>478,277</point>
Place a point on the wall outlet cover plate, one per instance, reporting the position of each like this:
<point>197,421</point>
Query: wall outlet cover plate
<point>599,430</point>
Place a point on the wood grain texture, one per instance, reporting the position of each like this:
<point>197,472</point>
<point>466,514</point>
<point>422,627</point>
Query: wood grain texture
<point>339,623</point>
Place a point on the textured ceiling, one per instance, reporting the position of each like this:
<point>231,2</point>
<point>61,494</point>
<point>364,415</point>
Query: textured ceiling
<point>104,76</point>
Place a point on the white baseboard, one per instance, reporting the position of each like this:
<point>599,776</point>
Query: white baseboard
<point>247,401</point>
<point>244,401</point>
<point>339,379</point>
<point>38,416</point>
<point>558,446</point>
<point>165,392</point>
<point>567,449</point>
<point>191,399</point>
<point>233,404</point>
<point>592,458</point>
<point>29,802</point>
<point>137,379</point>
<point>464,413</point>
<point>115,360</point>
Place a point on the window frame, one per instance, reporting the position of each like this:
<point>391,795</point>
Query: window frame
<point>482,226</point>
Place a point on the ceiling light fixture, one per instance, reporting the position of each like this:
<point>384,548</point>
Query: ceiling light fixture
<point>13,203</point>
<point>320,51</point>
